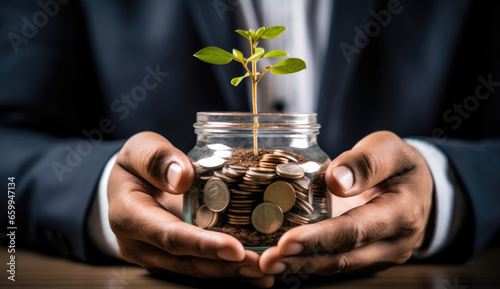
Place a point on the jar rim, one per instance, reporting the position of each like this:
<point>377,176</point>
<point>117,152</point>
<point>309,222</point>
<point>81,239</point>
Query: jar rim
<point>245,120</point>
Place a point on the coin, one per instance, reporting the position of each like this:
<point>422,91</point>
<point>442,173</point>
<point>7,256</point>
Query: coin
<point>211,162</point>
<point>238,169</point>
<point>310,167</point>
<point>206,218</point>
<point>296,218</point>
<point>216,195</point>
<point>232,173</point>
<point>248,180</point>
<point>290,171</point>
<point>260,176</point>
<point>267,217</point>
<point>304,182</point>
<point>225,178</point>
<point>289,155</point>
<point>262,170</point>
<point>243,193</point>
<point>282,194</point>
<point>304,206</point>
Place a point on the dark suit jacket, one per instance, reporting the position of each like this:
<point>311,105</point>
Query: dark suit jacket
<point>108,69</point>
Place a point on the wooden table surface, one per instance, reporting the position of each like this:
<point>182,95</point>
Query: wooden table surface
<point>34,270</point>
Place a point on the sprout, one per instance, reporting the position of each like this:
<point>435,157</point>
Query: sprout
<point>215,55</point>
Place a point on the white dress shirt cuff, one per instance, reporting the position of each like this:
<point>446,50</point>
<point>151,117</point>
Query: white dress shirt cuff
<point>98,222</point>
<point>444,191</point>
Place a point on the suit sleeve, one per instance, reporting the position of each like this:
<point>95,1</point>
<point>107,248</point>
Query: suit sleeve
<point>55,138</point>
<point>476,167</point>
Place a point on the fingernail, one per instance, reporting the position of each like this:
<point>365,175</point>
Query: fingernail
<point>227,254</point>
<point>344,176</point>
<point>292,249</point>
<point>266,281</point>
<point>250,272</point>
<point>277,268</point>
<point>174,175</point>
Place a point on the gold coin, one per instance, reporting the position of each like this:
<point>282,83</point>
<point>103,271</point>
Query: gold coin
<point>267,217</point>
<point>206,218</point>
<point>282,194</point>
<point>216,195</point>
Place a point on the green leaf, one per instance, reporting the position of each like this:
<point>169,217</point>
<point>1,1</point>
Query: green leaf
<point>243,33</point>
<point>235,81</point>
<point>259,52</point>
<point>273,32</point>
<point>259,33</point>
<point>238,55</point>
<point>287,66</point>
<point>214,55</point>
<point>275,53</point>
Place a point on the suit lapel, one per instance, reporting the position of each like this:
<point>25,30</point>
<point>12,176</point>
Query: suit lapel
<point>215,25</point>
<point>340,66</point>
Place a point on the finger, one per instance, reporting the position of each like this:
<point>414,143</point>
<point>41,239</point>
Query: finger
<point>136,215</point>
<point>372,160</point>
<point>153,158</point>
<point>156,260</point>
<point>373,257</point>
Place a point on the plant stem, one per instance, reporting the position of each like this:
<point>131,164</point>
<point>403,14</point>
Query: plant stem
<point>254,100</point>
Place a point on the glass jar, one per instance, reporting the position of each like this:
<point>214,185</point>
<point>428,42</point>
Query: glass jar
<point>257,199</point>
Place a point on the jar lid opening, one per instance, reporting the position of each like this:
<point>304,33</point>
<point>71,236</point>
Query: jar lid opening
<point>267,121</point>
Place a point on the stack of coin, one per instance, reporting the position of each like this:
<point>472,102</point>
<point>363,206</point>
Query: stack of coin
<point>248,193</point>
<point>296,218</point>
<point>290,171</point>
<point>240,207</point>
<point>206,218</point>
<point>272,160</point>
<point>289,155</point>
<point>318,189</point>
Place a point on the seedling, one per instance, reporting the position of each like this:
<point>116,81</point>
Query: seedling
<point>215,55</point>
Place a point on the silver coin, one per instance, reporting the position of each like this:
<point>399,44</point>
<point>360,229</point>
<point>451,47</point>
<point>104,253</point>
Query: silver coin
<point>310,167</point>
<point>216,195</point>
<point>290,171</point>
<point>211,162</point>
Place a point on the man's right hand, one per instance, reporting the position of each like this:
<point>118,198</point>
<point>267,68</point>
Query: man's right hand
<point>145,204</point>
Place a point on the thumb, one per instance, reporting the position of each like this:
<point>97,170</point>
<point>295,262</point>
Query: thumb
<point>153,158</point>
<point>371,161</point>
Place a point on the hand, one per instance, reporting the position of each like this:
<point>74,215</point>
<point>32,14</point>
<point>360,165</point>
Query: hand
<point>145,204</point>
<point>395,180</point>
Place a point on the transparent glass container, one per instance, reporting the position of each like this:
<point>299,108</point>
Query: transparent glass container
<point>257,199</point>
